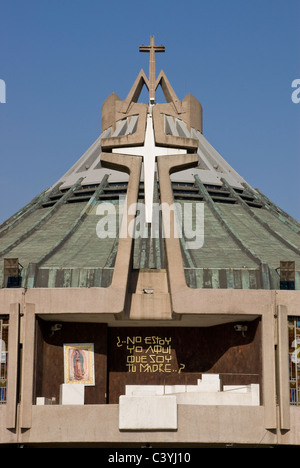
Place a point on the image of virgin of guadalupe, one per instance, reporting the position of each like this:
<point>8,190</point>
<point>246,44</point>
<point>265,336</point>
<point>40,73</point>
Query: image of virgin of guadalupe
<point>78,365</point>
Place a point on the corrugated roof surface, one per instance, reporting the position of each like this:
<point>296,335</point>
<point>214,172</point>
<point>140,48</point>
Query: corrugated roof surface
<point>243,245</point>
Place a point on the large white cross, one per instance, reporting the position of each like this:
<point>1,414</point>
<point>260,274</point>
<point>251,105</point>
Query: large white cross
<point>149,151</point>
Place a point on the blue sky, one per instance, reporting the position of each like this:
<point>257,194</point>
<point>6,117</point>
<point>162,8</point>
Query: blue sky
<point>61,59</point>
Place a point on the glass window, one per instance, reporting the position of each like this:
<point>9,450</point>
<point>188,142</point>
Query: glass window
<point>294,359</point>
<point>4,323</point>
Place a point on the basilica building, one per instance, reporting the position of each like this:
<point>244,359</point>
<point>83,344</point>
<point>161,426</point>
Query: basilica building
<point>150,296</point>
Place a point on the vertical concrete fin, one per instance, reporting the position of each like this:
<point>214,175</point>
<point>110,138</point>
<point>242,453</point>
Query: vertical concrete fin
<point>283,368</point>
<point>13,366</point>
<point>27,367</point>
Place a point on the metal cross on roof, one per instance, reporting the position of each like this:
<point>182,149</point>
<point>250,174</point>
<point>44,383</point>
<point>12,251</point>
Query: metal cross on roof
<point>149,150</point>
<point>152,48</point>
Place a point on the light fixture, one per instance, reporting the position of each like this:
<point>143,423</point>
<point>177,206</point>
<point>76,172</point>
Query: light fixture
<point>241,328</point>
<point>55,328</point>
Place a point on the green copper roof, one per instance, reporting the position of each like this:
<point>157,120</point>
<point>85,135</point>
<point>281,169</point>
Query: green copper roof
<point>245,238</point>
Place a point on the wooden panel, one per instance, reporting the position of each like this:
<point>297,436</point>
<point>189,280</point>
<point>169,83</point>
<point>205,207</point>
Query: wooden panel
<point>158,356</point>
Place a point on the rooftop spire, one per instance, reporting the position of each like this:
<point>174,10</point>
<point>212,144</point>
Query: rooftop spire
<point>152,48</point>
